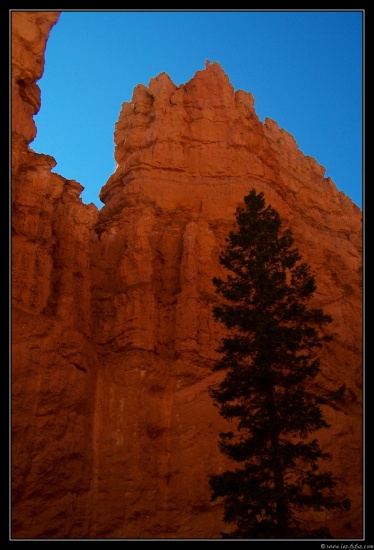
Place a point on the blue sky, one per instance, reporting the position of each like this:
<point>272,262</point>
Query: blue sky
<point>304,69</point>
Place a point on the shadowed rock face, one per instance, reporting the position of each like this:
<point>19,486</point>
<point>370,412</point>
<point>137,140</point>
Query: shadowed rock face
<point>114,434</point>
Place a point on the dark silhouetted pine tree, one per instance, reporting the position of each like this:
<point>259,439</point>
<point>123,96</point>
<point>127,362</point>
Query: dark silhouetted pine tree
<point>269,359</point>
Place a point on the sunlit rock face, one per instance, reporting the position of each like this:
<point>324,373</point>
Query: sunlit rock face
<point>114,433</point>
<point>53,359</point>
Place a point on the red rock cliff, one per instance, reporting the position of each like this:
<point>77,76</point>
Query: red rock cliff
<point>53,358</point>
<point>114,434</point>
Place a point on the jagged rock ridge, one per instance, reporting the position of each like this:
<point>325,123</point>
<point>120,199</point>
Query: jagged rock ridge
<point>114,434</point>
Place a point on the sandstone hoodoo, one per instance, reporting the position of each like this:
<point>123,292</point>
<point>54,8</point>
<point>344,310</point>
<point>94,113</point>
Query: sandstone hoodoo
<point>114,434</point>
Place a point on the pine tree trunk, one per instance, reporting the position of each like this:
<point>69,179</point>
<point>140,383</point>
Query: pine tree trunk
<point>281,506</point>
<point>282,511</point>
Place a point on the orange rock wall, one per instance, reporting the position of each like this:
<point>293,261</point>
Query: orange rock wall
<point>114,434</point>
<point>53,358</point>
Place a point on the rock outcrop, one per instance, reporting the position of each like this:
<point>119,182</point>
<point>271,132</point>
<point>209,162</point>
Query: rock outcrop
<point>53,358</point>
<point>114,434</point>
